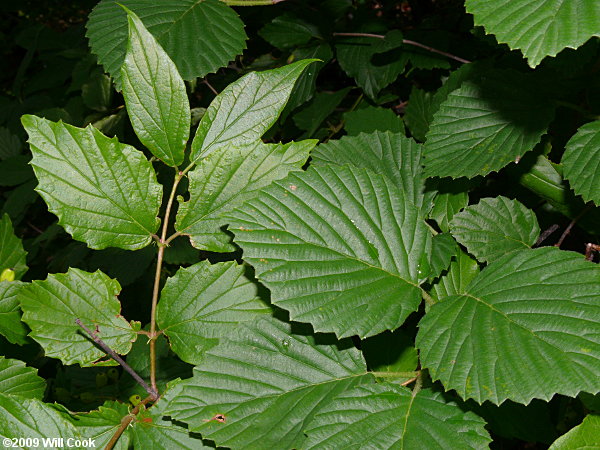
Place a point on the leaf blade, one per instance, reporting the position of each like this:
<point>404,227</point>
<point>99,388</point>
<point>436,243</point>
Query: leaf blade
<point>581,160</point>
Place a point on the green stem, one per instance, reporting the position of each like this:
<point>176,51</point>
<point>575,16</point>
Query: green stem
<point>418,384</point>
<point>162,244</point>
<point>428,298</point>
<point>395,374</point>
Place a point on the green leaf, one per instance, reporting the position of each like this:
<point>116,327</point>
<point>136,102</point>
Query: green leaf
<point>11,326</point>
<point>442,250</point>
<point>267,383</point>
<point>245,109</point>
<point>451,197</point>
<point>391,352</point>
<point>494,227</point>
<point>16,379</point>
<point>50,308</point>
<point>101,424</point>
<point>321,241</point>
<point>104,193</point>
<point>581,161</point>
<point>288,30</point>
<point>97,92</point>
<point>460,274</point>
<point>390,154</point>
<point>23,417</point>
<point>419,113</point>
<point>317,110</point>
<point>527,327</point>
<point>204,303</point>
<point>538,29</point>
<point>226,179</point>
<point>392,417</point>
<point>155,95</point>
<point>15,170</point>
<point>12,254</point>
<point>369,119</point>
<point>10,145</point>
<point>199,36</point>
<point>358,58</point>
<point>483,126</point>
<point>583,436</point>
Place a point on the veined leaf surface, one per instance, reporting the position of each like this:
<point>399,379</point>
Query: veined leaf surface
<point>338,246</point>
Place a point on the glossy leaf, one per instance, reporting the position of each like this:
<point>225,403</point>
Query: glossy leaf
<point>11,326</point>
<point>16,379</point>
<point>390,416</point>
<point>321,242</point>
<point>483,126</point>
<point>581,162</point>
<point>494,227</point>
<point>226,179</point>
<point>199,36</point>
<point>538,29</point>
<point>527,327</point>
<point>583,436</point>
<point>267,384</point>
<point>204,303</point>
<point>369,119</point>
<point>23,417</point>
<point>104,193</point>
<point>50,308</point>
<point>390,154</point>
<point>245,109</point>
<point>12,254</point>
<point>155,95</point>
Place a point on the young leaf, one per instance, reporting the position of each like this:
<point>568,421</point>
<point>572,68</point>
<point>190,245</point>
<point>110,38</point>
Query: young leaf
<point>538,29</point>
<point>459,276</point>
<point>392,417</point>
<point>12,254</point>
<point>104,193</point>
<point>356,55</point>
<point>443,249</point>
<point>484,125</point>
<point>390,154</point>
<point>31,418</point>
<point>226,179</point>
<point>527,327</point>
<point>581,161</point>
<point>370,119</point>
<point>16,379</point>
<point>155,95</point>
<point>265,384</point>
<point>451,197</point>
<point>199,36</point>
<point>50,308</point>
<point>245,109</point>
<point>321,241</point>
<point>583,436</point>
<point>101,424</point>
<point>494,227</point>
<point>11,326</point>
<point>204,303</point>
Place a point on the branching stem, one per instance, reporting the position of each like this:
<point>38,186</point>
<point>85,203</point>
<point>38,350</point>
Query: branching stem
<point>162,244</point>
<point>125,421</point>
<point>152,391</point>
<point>409,42</point>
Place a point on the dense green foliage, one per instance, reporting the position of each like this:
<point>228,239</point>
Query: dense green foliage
<point>322,224</point>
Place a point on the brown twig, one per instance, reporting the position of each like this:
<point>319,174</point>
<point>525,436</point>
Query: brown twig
<point>214,91</point>
<point>571,225</point>
<point>153,393</point>
<point>125,421</point>
<point>409,42</point>
<point>546,234</point>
